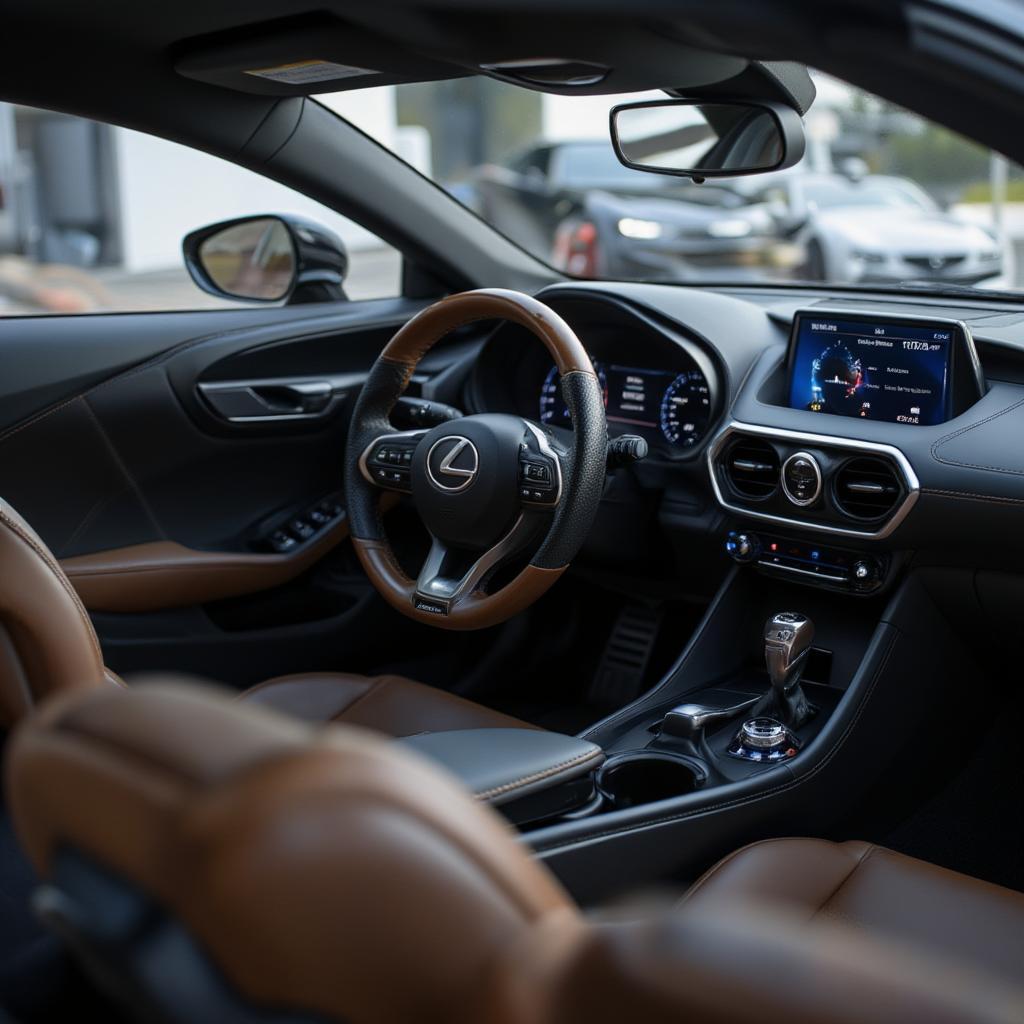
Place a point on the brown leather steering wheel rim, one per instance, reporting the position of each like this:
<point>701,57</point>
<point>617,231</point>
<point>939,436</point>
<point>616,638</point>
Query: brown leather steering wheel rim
<point>584,471</point>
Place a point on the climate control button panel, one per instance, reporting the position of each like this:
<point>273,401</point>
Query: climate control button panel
<point>808,562</point>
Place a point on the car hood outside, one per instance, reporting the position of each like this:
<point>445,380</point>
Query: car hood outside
<point>672,212</point>
<point>891,229</point>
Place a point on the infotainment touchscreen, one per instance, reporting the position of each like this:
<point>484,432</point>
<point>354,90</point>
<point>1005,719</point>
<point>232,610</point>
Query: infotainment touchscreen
<point>894,371</point>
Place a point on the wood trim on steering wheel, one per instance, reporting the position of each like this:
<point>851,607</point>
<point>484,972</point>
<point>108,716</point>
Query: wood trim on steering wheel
<point>582,469</point>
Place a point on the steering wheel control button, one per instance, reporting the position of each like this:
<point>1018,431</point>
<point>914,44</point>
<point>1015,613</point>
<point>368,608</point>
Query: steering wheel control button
<point>537,480</point>
<point>388,461</point>
<point>540,481</point>
<point>764,739</point>
<point>801,479</point>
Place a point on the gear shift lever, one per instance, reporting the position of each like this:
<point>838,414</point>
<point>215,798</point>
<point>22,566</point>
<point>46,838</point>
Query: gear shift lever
<point>787,643</point>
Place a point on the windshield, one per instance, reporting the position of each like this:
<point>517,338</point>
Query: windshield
<point>881,198</point>
<point>594,164</point>
<point>829,195</point>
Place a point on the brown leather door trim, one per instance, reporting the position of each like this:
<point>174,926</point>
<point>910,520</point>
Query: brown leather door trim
<point>165,574</point>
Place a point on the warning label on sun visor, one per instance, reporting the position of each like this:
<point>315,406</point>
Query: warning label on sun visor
<point>303,72</point>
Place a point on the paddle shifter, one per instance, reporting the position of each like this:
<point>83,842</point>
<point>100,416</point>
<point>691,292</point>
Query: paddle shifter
<point>768,735</point>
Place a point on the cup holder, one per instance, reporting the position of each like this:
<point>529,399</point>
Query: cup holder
<point>643,776</point>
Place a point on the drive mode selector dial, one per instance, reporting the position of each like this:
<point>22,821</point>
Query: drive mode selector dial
<point>801,478</point>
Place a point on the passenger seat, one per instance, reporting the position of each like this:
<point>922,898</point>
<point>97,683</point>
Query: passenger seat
<point>210,860</point>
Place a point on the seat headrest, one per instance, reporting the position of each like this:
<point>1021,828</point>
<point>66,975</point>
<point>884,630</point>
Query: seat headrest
<point>324,862</point>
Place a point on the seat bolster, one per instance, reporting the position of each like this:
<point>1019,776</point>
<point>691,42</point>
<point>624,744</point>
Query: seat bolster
<point>891,895</point>
<point>758,962</point>
<point>47,642</point>
<point>802,873</point>
<point>389,704</point>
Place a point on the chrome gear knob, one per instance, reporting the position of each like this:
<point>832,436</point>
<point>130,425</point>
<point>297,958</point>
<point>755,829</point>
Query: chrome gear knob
<point>787,642</point>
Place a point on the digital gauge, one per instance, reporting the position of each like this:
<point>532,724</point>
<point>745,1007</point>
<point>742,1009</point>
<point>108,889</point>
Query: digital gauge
<point>686,409</point>
<point>553,409</point>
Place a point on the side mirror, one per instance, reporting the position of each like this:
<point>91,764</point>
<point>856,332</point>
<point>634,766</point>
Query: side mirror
<point>698,139</point>
<point>267,258</point>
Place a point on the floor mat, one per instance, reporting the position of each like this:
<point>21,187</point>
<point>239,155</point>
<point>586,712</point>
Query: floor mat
<point>976,824</point>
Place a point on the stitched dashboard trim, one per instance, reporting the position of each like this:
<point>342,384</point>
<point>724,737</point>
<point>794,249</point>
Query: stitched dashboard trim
<point>974,426</point>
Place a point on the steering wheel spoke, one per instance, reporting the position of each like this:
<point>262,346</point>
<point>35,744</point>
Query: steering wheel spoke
<point>540,470</point>
<point>449,574</point>
<point>386,462</point>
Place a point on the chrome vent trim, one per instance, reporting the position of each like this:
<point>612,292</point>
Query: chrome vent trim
<point>855,447</point>
<point>752,467</point>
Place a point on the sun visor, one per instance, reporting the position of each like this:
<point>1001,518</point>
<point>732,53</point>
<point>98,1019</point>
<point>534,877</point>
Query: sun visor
<point>302,57</point>
<point>322,53</point>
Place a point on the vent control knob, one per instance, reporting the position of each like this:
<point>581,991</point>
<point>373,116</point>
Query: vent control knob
<point>866,573</point>
<point>801,478</point>
<point>742,547</point>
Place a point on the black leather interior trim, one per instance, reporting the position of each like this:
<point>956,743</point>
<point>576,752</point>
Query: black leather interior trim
<point>988,450</point>
<point>583,472</point>
<point>235,324</point>
<point>501,765</point>
<point>384,386</point>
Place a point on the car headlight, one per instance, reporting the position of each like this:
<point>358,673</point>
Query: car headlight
<point>734,227</point>
<point>989,255</point>
<point>636,227</point>
<point>869,257</point>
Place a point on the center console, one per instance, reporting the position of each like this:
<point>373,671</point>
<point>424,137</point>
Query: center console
<point>821,658</point>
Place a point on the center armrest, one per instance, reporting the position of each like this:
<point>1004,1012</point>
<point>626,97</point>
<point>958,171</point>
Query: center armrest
<point>503,766</point>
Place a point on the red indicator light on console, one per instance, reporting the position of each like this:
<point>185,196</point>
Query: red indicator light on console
<point>774,547</point>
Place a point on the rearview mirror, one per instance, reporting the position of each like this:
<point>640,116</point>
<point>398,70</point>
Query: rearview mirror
<point>267,258</point>
<point>697,139</point>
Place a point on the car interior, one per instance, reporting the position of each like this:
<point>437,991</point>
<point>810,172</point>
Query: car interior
<point>519,647</point>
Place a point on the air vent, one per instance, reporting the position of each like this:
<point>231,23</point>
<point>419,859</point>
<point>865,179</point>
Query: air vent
<point>752,468</point>
<point>867,488</point>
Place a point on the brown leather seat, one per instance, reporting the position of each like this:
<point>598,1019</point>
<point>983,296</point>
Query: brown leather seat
<point>48,645</point>
<point>875,889</point>
<point>325,872</point>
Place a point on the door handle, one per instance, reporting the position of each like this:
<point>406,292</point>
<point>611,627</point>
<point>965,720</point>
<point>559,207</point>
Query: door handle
<point>307,396</point>
<point>277,399</point>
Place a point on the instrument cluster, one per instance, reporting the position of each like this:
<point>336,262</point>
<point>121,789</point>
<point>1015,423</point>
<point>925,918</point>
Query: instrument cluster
<point>672,405</point>
<point>657,381</point>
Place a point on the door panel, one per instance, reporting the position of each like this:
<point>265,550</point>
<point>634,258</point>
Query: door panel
<point>165,514</point>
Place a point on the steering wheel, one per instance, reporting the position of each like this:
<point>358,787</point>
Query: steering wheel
<point>486,487</point>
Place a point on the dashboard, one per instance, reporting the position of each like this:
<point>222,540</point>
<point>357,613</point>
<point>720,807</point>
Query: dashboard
<point>869,428</point>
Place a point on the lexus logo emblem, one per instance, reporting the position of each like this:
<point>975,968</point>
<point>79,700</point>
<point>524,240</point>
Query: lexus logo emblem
<point>452,463</point>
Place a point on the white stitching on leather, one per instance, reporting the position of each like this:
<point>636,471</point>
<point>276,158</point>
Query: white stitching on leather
<point>526,780</point>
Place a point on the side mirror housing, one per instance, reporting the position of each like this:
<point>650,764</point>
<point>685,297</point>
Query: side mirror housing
<point>267,258</point>
<point>707,139</point>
